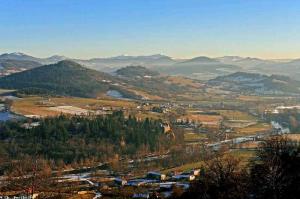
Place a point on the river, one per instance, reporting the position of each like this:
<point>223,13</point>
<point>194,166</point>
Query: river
<point>278,129</point>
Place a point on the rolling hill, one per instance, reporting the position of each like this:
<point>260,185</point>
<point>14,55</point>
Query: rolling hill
<point>253,83</point>
<point>63,78</point>
<point>136,71</point>
<point>153,82</point>
<point>287,68</point>
<point>69,78</point>
<point>201,68</point>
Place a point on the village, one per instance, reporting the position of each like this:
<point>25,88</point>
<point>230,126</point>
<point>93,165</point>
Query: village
<point>225,128</point>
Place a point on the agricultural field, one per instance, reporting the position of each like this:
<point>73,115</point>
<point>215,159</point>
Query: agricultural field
<point>152,115</point>
<point>253,129</point>
<point>70,110</point>
<point>248,98</point>
<point>235,115</point>
<point>185,167</point>
<point>249,145</point>
<point>29,106</point>
<point>41,106</point>
<point>239,123</point>
<point>90,102</point>
<point>209,120</point>
<point>194,137</point>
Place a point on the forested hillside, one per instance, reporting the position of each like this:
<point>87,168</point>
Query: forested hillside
<point>136,71</point>
<point>63,78</point>
<point>71,139</point>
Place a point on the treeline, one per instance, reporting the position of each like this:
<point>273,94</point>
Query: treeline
<point>275,174</point>
<point>75,139</point>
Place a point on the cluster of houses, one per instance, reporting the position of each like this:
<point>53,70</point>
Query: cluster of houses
<point>281,109</point>
<point>153,182</point>
<point>2,107</point>
<point>160,184</point>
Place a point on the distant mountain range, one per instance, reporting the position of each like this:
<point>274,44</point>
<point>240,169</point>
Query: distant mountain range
<point>112,63</point>
<point>244,62</point>
<point>11,64</point>
<point>23,57</point>
<point>199,67</point>
<point>69,78</point>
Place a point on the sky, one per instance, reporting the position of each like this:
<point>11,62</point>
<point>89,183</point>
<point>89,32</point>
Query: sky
<point>178,28</point>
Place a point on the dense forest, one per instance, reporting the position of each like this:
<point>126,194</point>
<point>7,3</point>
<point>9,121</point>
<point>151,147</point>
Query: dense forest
<point>74,139</point>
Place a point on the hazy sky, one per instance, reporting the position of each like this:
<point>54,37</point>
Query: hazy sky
<point>179,28</point>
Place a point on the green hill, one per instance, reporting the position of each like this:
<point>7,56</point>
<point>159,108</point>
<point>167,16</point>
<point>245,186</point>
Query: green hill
<point>136,71</point>
<point>63,78</point>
